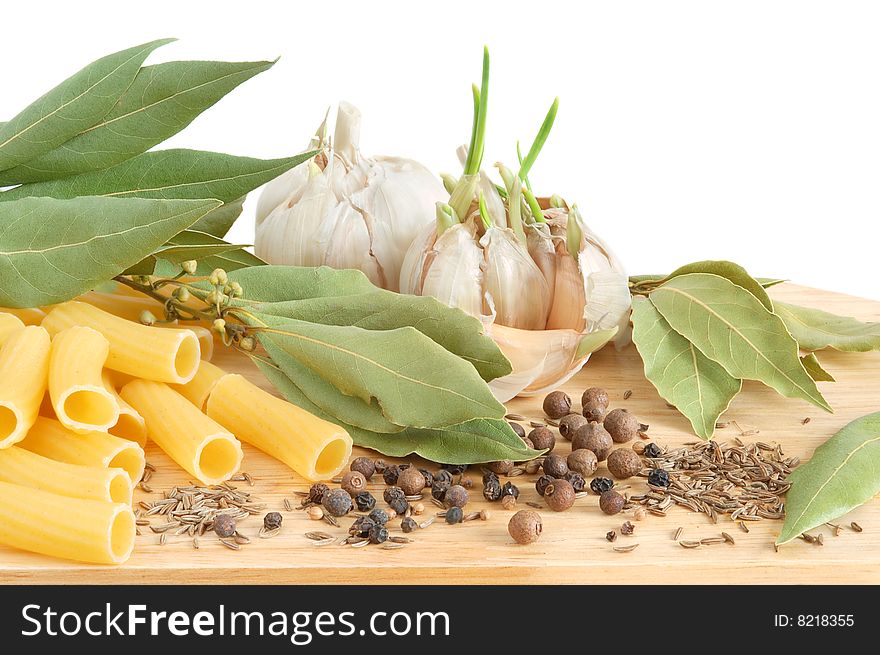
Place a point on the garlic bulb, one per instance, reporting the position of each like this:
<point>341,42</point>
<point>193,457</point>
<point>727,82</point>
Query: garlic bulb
<point>346,210</point>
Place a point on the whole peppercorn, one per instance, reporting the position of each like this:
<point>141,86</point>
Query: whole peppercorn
<point>454,515</point>
<point>353,482</point>
<point>601,485</point>
<point>379,516</point>
<point>593,436</point>
<point>489,475</point>
<point>516,427</point>
<point>611,502</point>
<point>557,404</point>
<point>411,481</point>
<point>594,403</point>
<point>583,461</point>
<point>392,493</point>
<point>455,469</point>
<point>443,476</point>
<point>525,526</point>
<point>429,477</point>
<point>380,465</point>
<point>658,478</point>
<point>510,489</point>
<point>542,438</point>
<point>528,443</point>
<point>576,480</point>
<point>508,502</point>
<point>224,525</point>
<point>361,526</point>
<point>457,496</point>
<point>390,474</point>
<point>364,501</point>
<point>559,495</point>
<point>336,502</point>
<point>541,484</point>
<point>364,465</point>
<point>624,463</point>
<point>399,506</point>
<point>639,447</point>
<point>408,524</point>
<point>652,450</point>
<point>501,467</point>
<point>317,491</point>
<point>378,534</point>
<point>621,425</point>
<point>272,520</point>
<point>439,489</point>
<point>555,466</point>
<point>492,489</point>
<point>569,424</point>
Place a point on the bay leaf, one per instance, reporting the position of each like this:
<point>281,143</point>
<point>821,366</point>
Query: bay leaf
<point>730,326</point>
<point>209,252</point>
<point>415,381</point>
<point>473,442</point>
<point>768,282</point>
<point>280,283</point>
<point>733,272</point>
<point>218,222</point>
<point>815,329</point>
<point>79,102</point>
<point>593,341</point>
<point>697,386</point>
<point>162,100</point>
<point>185,174</point>
<point>458,332</point>
<point>841,475</point>
<point>52,250</point>
<point>187,245</point>
<point>814,368</point>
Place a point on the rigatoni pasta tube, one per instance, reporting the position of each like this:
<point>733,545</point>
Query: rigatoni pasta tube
<point>164,355</point>
<point>313,447</point>
<point>130,425</point>
<point>27,315</point>
<point>9,323</point>
<point>199,388</point>
<point>128,307</point>
<point>22,467</point>
<point>24,370</point>
<point>51,439</point>
<point>200,446</point>
<point>80,400</point>
<point>71,528</point>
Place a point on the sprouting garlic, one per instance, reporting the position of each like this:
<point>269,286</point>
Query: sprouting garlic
<point>346,210</point>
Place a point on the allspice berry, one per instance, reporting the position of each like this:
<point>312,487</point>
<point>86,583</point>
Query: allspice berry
<point>508,502</point>
<point>525,526</point>
<point>624,463</point>
<point>542,438</point>
<point>611,502</point>
<point>621,425</point>
<point>557,404</point>
<point>594,403</point>
<point>411,481</point>
<point>353,482</point>
<point>516,427</point>
<point>583,461</point>
<point>555,466</point>
<point>501,467</point>
<point>569,424</point>
<point>364,465</point>
<point>224,525</point>
<point>559,495</point>
<point>456,496</point>
<point>593,436</point>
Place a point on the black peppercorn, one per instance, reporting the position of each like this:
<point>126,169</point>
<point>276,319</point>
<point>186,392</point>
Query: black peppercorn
<point>443,475</point>
<point>576,480</point>
<point>224,525</point>
<point>492,489</point>
<point>510,489</point>
<point>429,477</point>
<point>601,485</point>
<point>439,489</point>
<point>457,496</point>
<point>362,526</point>
<point>520,432</point>
<point>364,465</point>
<point>378,534</point>
<point>411,481</point>
<point>541,484</point>
<point>658,478</point>
<point>272,521</point>
<point>455,469</point>
<point>317,491</point>
<point>408,524</point>
<point>399,505</point>
<point>391,473</point>
<point>364,501</point>
<point>336,502</point>
<point>489,475</point>
<point>454,515</point>
<point>380,465</point>
<point>557,404</point>
<point>392,493</point>
<point>652,450</point>
<point>378,515</point>
<point>542,438</point>
<point>555,466</point>
<point>353,482</point>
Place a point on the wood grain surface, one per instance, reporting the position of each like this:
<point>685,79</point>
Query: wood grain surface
<point>573,548</point>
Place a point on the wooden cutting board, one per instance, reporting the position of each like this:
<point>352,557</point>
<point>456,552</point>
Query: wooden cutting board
<point>573,548</point>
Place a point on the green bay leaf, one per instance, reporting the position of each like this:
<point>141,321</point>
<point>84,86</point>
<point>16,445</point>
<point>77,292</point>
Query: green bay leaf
<point>280,283</point>
<point>416,382</point>
<point>730,326</point>
<point>841,475</point>
<point>733,272</point>
<point>218,222</point>
<point>76,104</point>
<point>814,368</point>
<point>52,250</point>
<point>698,387</point>
<point>162,100</point>
<point>814,329</point>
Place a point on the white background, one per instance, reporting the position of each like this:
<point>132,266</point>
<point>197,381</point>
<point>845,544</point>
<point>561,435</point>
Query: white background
<point>687,130</point>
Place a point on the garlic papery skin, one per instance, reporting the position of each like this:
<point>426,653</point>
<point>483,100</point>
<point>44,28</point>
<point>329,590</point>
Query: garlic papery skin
<point>347,210</point>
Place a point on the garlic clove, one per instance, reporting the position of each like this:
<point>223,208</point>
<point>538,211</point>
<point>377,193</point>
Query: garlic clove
<point>540,245</point>
<point>569,297</point>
